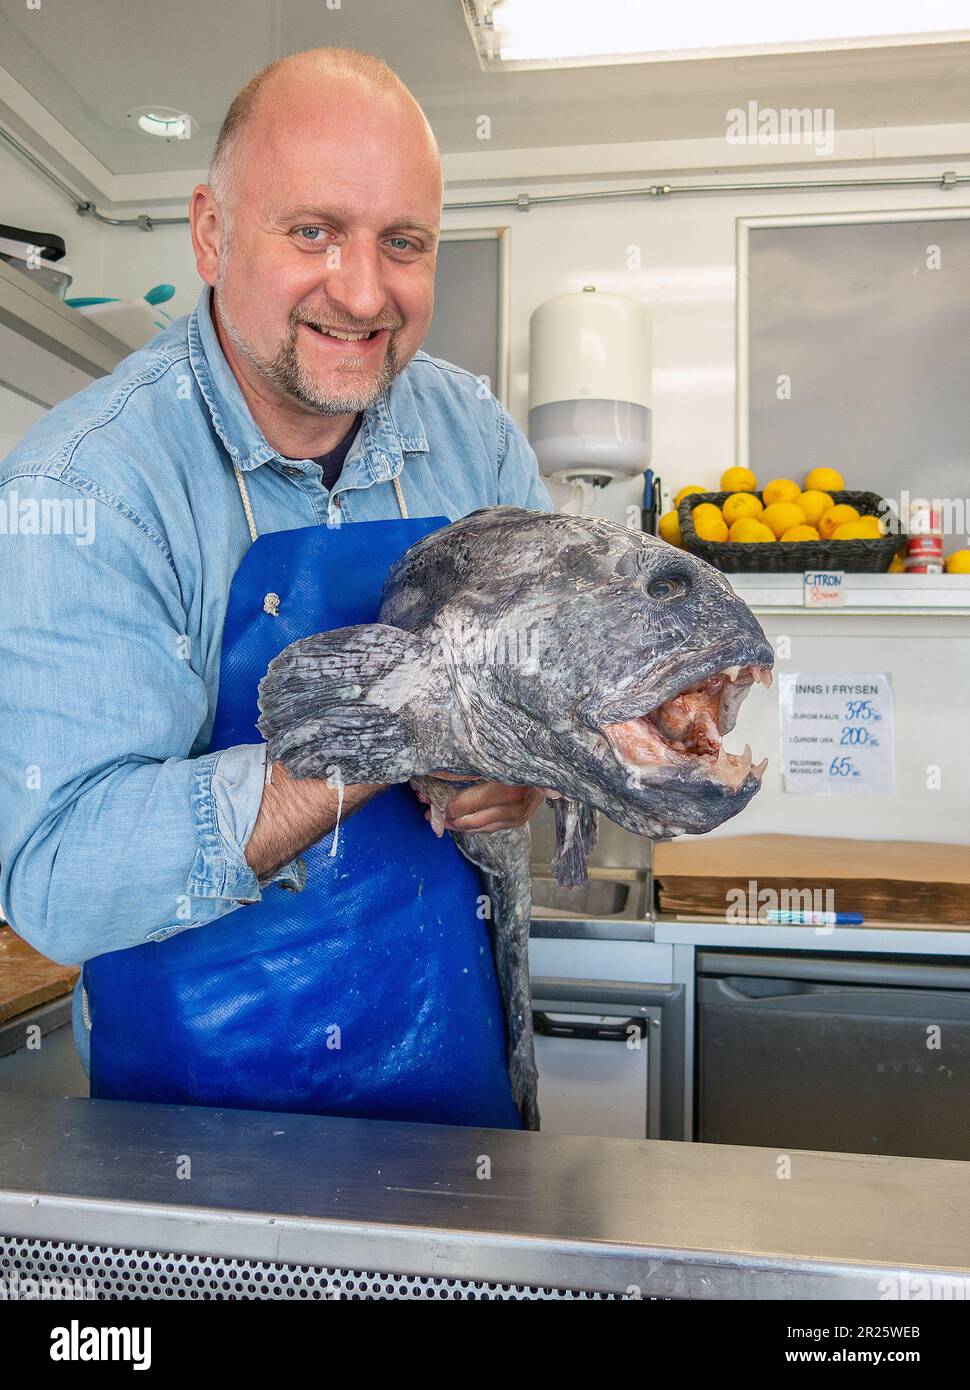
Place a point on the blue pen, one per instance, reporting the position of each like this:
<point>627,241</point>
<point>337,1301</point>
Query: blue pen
<point>815,919</point>
<point>648,514</point>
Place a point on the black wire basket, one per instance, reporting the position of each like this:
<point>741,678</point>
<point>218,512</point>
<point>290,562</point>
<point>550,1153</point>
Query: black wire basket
<point>868,556</point>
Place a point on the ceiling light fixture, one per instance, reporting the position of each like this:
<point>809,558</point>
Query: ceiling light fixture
<point>580,33</point>
<point>163,122</point>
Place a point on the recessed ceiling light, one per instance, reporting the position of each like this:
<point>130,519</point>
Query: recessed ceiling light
<point>577,33</point>
<point>163,122</point>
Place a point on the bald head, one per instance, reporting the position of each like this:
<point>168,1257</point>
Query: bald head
<point>310,75</point>
<point>318,230</point>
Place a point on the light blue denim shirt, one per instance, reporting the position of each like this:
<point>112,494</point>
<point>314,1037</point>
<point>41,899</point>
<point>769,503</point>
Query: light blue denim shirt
<point>121,527</point>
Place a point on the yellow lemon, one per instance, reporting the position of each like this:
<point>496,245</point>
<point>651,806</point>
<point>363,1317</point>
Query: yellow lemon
<point>686,492</point>
<point>782,516</point>
<point>824,479</point>
<point>780,490</point>
<point>710,528</point>
<point>749,529</point>
<point>871,527</point>
<point>800,533</point>
<point>850,531</point>
<point>958,562</point>
<point>813,503</point>
<point>830,520</point>
<point>669,528</point>
<point>897,566</point>
<point>740,504</point>
<point>738,480</point>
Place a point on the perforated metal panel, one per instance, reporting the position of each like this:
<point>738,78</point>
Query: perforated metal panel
<point>39,1268</point>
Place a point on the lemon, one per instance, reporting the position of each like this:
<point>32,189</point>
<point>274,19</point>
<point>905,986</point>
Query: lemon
<point>738,480</point>
<point>813,503</point>
<point>749,529</point>
<point>871,527</point>
<point>824,480</point>
<point>830,520</point>
<point>958,562</point>
<point>740,504</point>
<point>710,526</point>
<point>686,492</point>
<point>850,531</point>
<point>897,566</point>
<point>780,517</point>
<point>781,490</point>
<point>669,529</point>
<point>800,533</point>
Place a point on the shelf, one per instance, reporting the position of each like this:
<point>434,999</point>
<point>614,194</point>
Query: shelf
<point>888,594</point>
<point>48,350</point>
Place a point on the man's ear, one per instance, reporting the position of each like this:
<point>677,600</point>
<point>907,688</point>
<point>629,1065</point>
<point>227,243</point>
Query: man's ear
<point>208,237</point>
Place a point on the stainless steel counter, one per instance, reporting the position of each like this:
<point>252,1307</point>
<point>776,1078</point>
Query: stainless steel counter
<point>401,1210</point>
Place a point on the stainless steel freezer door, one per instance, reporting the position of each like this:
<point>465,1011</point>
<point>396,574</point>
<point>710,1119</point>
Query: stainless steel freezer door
<point>851,1056</point>
<point>601,1047</point>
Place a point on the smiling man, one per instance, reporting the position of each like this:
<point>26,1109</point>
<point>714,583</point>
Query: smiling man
<point>137,808</point>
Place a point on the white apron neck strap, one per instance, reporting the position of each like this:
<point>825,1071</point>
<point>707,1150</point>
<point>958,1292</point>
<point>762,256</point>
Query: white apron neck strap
<point>248,506</point>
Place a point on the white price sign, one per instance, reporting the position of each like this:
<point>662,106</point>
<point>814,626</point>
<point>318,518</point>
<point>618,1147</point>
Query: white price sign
<point>837,734</point>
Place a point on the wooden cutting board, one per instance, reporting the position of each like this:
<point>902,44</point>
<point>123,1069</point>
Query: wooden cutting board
<point>910,881</point>
<point>27,978</point>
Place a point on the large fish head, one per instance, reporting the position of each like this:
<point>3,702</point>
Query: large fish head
<point>592,660</point>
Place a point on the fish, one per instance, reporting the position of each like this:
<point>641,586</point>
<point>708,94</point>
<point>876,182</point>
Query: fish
<point>570,654</point>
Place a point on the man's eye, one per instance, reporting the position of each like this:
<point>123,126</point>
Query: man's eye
<point>311,233</point>
<point>403,243</point>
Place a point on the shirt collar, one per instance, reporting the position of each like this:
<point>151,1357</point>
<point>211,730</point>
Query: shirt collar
<point>391,427</point>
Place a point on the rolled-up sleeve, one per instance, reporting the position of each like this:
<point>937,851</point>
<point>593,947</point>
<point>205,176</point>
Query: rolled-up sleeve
<point>111,832</point>
<point>227,792</point>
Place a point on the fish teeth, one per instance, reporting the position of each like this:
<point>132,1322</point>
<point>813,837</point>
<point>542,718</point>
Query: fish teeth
<point>732,672</point>
<point>758,771</point>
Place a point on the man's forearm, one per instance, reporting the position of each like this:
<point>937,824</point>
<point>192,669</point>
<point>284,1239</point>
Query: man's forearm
<point>296,812</point>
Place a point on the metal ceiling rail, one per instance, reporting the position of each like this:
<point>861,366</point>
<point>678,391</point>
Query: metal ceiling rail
<point>523,202</point>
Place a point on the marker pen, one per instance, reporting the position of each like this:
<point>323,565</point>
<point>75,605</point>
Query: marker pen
<point>815,919</point>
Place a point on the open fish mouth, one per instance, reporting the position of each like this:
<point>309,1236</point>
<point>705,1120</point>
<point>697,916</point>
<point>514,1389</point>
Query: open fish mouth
<point>685,731</point>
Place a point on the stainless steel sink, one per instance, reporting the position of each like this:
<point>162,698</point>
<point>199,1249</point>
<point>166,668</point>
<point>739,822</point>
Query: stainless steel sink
<point>603,896</point>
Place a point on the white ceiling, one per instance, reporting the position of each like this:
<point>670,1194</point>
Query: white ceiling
<point>88,62</point>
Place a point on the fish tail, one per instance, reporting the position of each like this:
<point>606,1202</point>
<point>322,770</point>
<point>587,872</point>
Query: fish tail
<point>503,857</point>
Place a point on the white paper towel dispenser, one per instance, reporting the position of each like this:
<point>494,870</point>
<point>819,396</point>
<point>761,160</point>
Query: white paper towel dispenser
<point>589,386</point>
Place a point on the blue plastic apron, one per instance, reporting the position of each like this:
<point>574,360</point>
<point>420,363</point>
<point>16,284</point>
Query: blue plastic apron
<point>372,992</point>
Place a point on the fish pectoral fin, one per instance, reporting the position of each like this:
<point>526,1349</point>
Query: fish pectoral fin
<point>359,704</point>
<point>576,828</point>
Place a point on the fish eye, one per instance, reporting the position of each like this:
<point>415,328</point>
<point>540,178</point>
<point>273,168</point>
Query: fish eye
<point>663,588</point>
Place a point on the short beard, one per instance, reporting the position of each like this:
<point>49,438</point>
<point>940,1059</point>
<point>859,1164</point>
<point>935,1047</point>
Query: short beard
<point>287,374</point>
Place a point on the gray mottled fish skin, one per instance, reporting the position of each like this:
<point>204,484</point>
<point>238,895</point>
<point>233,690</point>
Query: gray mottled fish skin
<point>528,648</point>
<point>503,857</point>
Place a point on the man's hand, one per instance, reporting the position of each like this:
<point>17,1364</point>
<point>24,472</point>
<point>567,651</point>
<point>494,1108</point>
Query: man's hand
<point>488,806</point>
